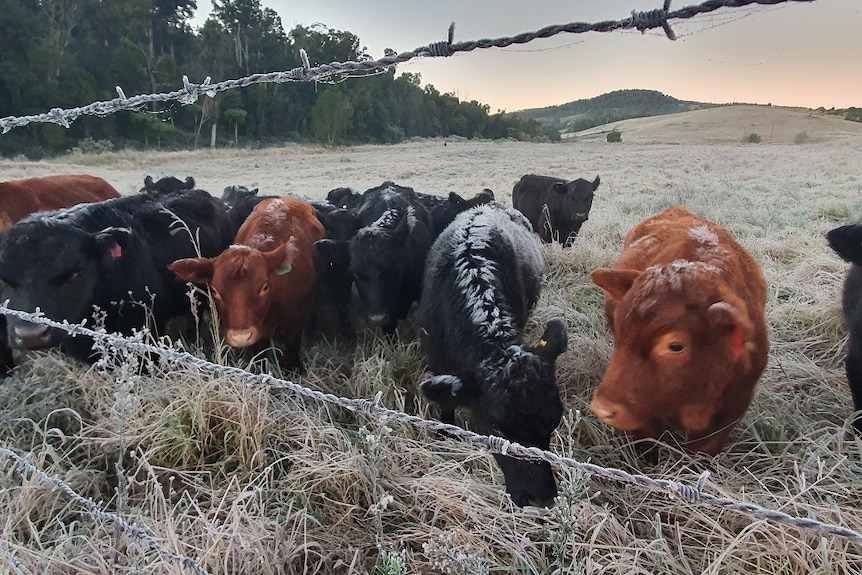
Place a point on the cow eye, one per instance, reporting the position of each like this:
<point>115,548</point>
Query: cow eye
<point>264,289</point>
<point>675,347</point>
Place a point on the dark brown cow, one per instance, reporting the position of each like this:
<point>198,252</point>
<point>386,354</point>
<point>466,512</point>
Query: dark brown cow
<point>20,198</point>
<point>264,284</point>
<point>686,304</point>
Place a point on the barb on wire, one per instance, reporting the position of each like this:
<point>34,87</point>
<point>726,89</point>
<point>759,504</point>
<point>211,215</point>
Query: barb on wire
<point>190,92</point>
<point>28,469</point>
<point>687,493</point>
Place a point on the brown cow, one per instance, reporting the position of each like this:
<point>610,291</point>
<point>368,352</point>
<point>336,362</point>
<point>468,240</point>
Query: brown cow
<point>686,304</point>
<point>20,198</point>
<point>264,284</point>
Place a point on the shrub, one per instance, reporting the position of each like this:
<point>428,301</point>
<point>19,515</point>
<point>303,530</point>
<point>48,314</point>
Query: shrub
<point>90,146</point>
<point>753,138</point>
<point>615,136</point>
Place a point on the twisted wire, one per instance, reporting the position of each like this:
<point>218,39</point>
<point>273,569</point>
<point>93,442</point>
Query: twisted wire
<point>688,493</point>
<point>190,92</point>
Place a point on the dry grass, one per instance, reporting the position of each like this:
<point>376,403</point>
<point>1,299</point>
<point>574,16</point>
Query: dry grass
<point>255,481</point>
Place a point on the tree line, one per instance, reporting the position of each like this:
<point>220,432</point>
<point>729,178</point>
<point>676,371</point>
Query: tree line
<point>68,53</point>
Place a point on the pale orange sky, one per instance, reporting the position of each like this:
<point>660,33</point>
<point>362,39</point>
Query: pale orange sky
<point>791,54</point>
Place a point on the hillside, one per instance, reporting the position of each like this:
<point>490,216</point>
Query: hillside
<point>729,124</point>
<point>611,107</point>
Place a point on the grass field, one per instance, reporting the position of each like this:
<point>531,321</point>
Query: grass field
<point>250,480</point>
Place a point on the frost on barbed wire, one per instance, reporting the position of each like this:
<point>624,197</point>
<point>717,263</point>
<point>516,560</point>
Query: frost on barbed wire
<point>190,92</point>
<point>694,495</point>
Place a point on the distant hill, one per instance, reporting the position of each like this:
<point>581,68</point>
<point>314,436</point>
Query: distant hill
<point>611,107</point>
<point>729,124</point>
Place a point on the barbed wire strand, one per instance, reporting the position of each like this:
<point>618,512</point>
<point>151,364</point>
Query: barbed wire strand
<point>14,562</point>
<point>691,494</point>
<point>26,468</point>
<point>190,92</point>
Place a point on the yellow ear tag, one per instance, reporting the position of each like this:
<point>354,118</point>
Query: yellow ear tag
<point>285,269</point>
<point>542,343</point>
<point>454,393</point>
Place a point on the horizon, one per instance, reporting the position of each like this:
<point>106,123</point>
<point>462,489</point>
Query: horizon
<point>792,54</point>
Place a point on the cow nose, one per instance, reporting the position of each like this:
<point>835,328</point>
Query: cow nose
<point>29,335</point>
<point>604,410</point>
<point>241,337</point>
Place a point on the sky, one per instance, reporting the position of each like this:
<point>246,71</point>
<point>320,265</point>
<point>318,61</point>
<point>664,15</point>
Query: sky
<point>806,54</point>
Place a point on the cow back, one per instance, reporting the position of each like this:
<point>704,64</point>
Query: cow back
<point>20,198</point>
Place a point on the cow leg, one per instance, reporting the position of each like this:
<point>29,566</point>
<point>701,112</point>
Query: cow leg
<point>7,362</point>
<point>291,360</point>
<point>853,368</point>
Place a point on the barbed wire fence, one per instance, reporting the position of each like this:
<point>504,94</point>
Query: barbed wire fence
<point>692,494</point>
<point>190,92</point>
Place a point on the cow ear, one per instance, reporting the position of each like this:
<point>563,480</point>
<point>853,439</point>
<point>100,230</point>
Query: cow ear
<point>111,242</point>
<point>442,388</point>
<point>596,183</point>
<point>614,282</point>
<point>456,200</point>
<point>282,258</point>
<point>730,321</point>
<point>554,340</point>
<point>194,270</point>
<point>560,187</point>
<point>254,192</point>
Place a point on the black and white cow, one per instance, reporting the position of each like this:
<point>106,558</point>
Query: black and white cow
<point>556,208</point>
<point>847,243</point>
<point>387,254</point>
<point>482,278</point>
<point>109,256</point>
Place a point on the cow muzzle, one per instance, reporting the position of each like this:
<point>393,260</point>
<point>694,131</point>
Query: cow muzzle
<point>29,336</point>
<point>614,414</point>
<point>242,337</point>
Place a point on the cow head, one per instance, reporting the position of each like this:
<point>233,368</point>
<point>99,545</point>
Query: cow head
<point>340,224</point>
<point>683,342</point>
<point>516,397</point>
<point>243,281</point>
<point>345,198</point>
<point>57,273</point>
<point>569,206</point>
<point>232,194</point>
<point>377,268</point>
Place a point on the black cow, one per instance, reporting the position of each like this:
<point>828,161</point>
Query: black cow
<point>240,202</point>
<point>334,280</point>
<point>110,256</point>
<point>387,254</point>
<point>482,279</point>
<point>847,243</point>
<point>556,208</point>
<point>167,185</point>
<point>444,209</point>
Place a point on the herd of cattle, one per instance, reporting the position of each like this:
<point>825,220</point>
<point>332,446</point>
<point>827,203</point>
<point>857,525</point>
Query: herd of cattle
<point>685,301</point>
